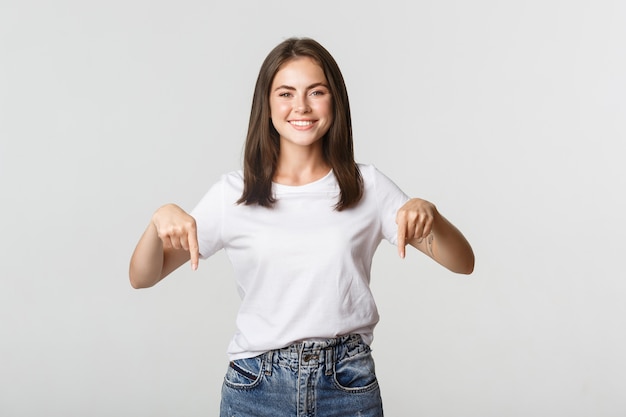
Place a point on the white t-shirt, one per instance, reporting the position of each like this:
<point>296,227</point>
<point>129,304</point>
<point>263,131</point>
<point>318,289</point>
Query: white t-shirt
<point>302,268</point>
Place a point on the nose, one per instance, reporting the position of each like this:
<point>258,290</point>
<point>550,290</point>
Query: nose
<point>301,105</point>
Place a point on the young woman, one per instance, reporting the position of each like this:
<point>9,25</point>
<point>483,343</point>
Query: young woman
<point>300,224</point>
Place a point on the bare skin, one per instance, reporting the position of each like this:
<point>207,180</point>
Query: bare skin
<point>301,111</point>
<point>422,226</point>
<point>169,241</point>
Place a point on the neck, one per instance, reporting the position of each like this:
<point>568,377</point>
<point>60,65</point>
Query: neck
<point>299,168</point>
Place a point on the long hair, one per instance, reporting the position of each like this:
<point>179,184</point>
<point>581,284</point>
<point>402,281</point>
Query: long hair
<point>263,141</point>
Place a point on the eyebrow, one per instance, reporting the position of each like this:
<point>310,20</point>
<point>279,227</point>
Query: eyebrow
<point>288,87</point>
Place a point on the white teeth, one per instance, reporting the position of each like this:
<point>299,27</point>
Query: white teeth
<point>301,122</point>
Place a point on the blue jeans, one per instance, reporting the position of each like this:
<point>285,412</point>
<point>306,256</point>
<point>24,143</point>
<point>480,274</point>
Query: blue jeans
<point>327,378</point>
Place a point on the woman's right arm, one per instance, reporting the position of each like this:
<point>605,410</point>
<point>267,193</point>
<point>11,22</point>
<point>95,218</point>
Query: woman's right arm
<point>169,241</point>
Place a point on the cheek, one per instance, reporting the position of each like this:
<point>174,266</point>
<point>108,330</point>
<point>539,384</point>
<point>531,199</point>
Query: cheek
<point>325,108</point>
<point>330,113</point>
<point>278,109</point>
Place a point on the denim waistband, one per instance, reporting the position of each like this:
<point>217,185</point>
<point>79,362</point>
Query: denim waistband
<point>319,352</point>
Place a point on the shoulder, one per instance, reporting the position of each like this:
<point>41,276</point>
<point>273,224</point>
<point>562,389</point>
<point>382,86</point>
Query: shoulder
<point>379,183</point>
<point>226,187</point>
<point>368,171</point>
<point>232,180</point>
<point>371,175</point>
<point>233,176</point>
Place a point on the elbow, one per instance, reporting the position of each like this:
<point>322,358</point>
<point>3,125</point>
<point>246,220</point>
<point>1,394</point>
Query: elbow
<point>132,277</point>
<point>467,270</point>
<point>463,265</point>
<point>136,281</point>
<point>136,284</point>
<point>461,262</point>
<point>467,267</point>
<point>462,268</point>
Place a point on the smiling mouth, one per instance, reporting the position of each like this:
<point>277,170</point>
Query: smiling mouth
<point>301,123</point>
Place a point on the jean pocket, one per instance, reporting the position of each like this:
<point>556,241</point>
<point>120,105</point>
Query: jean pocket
<point>244,373</point>
<point>356,373</point>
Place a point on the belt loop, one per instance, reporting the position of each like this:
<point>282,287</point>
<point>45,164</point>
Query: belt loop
<point>329,362</point>
<point>269,362</point>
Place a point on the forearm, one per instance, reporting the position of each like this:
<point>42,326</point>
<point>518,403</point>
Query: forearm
<point>448,246</point>
<point>146,264</point>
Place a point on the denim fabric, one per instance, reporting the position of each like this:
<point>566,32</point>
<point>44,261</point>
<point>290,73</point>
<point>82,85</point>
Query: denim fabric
<point>328,378</point>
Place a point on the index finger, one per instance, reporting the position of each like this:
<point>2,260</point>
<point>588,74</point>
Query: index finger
<point>401,239</point>
<point>194,251</point>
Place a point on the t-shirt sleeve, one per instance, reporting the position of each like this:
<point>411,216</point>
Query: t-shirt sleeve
<point>209,214</point>
<point>390,198</point>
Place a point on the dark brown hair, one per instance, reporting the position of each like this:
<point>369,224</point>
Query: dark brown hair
<point>263,141</point>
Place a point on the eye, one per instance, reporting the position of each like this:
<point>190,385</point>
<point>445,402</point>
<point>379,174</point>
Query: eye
<point>284,94</point>
<point>318,93</point>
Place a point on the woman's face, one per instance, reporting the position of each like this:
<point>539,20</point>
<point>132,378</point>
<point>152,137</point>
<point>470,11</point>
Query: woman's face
<point>300,103</point>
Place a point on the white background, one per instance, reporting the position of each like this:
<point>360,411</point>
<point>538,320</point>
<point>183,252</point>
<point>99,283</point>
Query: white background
<point>508,115</point>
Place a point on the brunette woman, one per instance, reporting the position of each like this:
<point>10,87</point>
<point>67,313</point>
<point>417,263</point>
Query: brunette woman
<point>300,224</point>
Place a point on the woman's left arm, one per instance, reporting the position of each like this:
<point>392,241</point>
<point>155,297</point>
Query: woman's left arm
<point>421,225</point>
